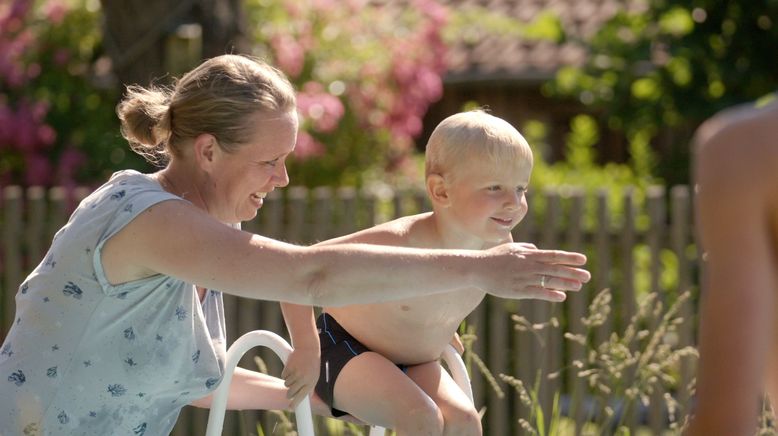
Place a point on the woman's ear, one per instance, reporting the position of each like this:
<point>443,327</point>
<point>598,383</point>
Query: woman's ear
<point>437,191</point>
<point>205,151</point>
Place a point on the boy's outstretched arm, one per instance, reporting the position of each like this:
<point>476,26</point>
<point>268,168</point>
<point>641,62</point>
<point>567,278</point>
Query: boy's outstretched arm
<point>301,371</point>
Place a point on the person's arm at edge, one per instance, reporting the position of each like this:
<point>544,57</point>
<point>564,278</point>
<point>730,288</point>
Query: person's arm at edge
<point>737,317</point>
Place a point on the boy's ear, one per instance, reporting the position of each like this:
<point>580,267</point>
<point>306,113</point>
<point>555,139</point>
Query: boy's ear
<point>437,190</point>
<point>205,150</point>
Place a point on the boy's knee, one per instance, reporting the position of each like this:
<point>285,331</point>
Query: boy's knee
<point>423,419</point>
<point>463,423</point>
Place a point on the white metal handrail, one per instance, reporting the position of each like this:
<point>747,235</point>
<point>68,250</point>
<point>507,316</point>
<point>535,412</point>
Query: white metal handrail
<point>244,343</point>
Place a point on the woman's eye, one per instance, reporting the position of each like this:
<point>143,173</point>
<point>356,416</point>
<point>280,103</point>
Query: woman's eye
<point>271,163</point>
<point>493,188</point>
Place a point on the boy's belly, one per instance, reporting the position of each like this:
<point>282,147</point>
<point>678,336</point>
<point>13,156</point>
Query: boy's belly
<point>409,331</point>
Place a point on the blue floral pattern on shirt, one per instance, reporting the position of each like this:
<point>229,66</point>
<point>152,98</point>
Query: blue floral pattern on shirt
<point>90,356</point>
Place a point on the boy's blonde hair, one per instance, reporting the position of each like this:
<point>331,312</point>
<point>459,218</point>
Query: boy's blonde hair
<point>465,136</point>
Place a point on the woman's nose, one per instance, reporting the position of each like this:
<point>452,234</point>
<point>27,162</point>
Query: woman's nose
<point>281,176</point>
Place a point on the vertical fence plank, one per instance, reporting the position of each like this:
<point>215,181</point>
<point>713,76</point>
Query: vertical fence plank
<point>602,273</point>
<point>477,320</point>
<point>322,213</point>
<point>230,311</point>
<point>421,201</point>
<point>655,239</point>
<point>35,230</point>
<point>549,354</point>
<point>626,295</point>
<point>367,205</point>
<point>576,305</point>
<point>58,206</point>
<point>347,201</point>
<point>183,425</point>
<point>680,242</point>
<point>398,204</point>
<point>12,253</point>
<point>524,341</point>
<point>498,335</point>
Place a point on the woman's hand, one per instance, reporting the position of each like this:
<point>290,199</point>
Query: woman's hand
<point>522,271</point>
<point>301,373</point>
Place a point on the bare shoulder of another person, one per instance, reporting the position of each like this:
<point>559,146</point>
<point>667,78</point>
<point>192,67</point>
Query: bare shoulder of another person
<point>400,232</point>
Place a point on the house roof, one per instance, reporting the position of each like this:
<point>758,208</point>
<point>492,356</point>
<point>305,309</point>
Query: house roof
<point>499,58</point>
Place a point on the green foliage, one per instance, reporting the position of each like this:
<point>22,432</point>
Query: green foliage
<point>471,23</point>
<point>580,169</point>
<point>664,66</point>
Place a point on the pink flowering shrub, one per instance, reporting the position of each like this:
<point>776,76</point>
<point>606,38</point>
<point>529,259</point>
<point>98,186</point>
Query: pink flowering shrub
<point>51,117</point>
<point>365,73</point>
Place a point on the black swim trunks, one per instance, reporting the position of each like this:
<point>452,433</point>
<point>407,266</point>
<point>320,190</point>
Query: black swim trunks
<point>337,348</point>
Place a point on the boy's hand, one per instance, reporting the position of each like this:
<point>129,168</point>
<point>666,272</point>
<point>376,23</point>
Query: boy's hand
<point>301,373</point>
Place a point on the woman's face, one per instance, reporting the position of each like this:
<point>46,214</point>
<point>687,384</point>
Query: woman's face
<point>240,180</point>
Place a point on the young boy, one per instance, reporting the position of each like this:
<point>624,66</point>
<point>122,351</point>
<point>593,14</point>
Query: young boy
<point>379,362</point>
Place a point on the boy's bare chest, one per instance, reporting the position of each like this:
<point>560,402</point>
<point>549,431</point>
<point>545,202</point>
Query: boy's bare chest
<point>409,331</point>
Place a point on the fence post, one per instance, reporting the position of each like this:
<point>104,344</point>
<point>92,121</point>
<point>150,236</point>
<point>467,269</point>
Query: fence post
<point>36,221</point>
<point>549,355</point>
<point>322,213</point>
<point>655,197</point>
<point>680,242</point>
<point>523,342</point>
<point>498,336</point>
<point>12,250</point>
<point>626,297</point>
<point>576,303</point>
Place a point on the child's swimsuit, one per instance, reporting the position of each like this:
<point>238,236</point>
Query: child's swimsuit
<point>338,347</point>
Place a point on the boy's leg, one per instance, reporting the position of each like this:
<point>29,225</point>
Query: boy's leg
<point>373,389</point>
<point>459,414</point>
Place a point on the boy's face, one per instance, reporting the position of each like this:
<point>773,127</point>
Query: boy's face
<point>487,199</point>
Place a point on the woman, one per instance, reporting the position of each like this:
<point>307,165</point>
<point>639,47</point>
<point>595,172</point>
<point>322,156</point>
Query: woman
<point>113,337</point>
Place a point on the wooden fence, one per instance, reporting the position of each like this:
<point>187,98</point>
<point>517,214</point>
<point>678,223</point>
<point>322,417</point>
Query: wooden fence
<point>632,250</point>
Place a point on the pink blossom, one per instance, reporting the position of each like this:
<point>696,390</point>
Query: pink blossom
<point>324,5</point>
<point>433,10</point>
<point>37,170</point>
<point>430,83</point>
<point>55,11</point>
<point>307,147</point>
<point>28,132</point>
<point>33,70</point>
<point>6,126</point>
<point>17,10</point>
<point>61,57</point>
<point>356,5</point>
<point>70,162</point>
<point>289,55</point>
<point>46,135</point>
<point>324,109</point>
